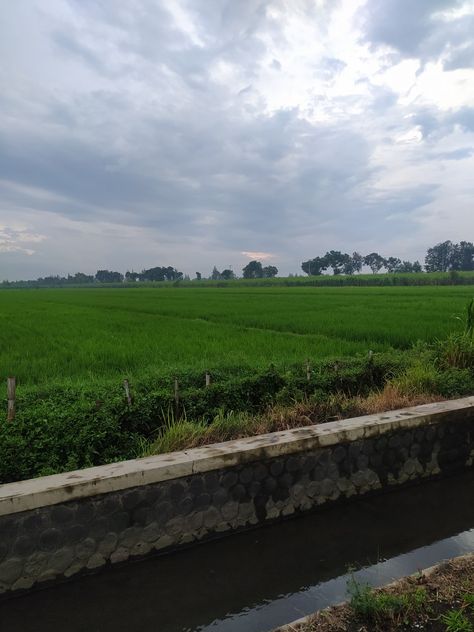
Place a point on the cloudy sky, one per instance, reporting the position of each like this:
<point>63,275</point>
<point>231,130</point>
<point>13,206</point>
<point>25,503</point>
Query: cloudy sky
<point>196,133</point>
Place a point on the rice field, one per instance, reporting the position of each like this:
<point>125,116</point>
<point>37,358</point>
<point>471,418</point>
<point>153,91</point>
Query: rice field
<point>84,335</point>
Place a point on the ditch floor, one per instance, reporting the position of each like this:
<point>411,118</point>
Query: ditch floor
<point>440,599</point>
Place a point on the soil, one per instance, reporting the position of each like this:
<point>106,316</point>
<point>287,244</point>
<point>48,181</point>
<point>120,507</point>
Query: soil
<point>446,586</point>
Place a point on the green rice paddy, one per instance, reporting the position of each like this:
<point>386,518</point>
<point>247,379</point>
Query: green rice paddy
<point>87,335</point>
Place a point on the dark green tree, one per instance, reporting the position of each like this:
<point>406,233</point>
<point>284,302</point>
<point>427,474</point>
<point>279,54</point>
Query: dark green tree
<point>440,257</point>
<point>314,267</point>
<point>375,262</point>
<point>107,276</point>
<point>270,271</point>
<point>227,274</point>
<point>393,264</point>
<point>253,270</point>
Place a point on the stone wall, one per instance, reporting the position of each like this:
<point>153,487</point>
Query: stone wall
<point>55,527</point>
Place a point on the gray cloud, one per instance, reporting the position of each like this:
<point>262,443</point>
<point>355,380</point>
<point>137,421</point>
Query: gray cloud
<point>149,130</point>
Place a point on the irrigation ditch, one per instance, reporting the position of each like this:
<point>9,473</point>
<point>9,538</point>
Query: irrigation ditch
<point>62,526</point>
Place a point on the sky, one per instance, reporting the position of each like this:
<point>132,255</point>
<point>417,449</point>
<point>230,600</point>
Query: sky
<point>194,133</point>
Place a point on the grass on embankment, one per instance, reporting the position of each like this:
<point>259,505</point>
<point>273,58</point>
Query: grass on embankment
<point>442,600</point>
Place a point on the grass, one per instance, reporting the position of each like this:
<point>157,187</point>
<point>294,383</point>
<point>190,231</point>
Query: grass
<point>84,336</point>
<point>439,600</point>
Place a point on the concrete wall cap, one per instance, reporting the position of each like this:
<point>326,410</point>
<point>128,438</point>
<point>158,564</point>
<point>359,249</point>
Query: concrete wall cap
<point>59,488</point>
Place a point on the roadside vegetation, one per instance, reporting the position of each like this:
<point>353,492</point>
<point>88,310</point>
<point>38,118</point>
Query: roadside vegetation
<point>85,418</point>
<point>442,600</point>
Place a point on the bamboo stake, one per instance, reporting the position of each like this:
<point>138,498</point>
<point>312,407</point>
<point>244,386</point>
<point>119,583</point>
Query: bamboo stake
<point>176,396</point>
<point>126,387</point>
<point>11,395</point>
<point>208,380</point>
<point>308,371</point>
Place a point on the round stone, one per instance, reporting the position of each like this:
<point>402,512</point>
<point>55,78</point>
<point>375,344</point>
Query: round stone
<point>211,518</point>
<point>211,481</point>
<point>220,497</point>
<point>203,501</point>
<point>229,479</point>
<point>293,464</point>
<point>85,512</point>
<point>246,475</point>
<point>185,505</point>
<point>196,485</point>
<point>108,544</point>
<point>260,472</point>
<point>50,539</point>
<point>176,492</point>
<point>74,533</point>
<point>61,514</point>
<point>24,546</point>
<point>85,548</point>
<point>10,571</point>
<point>270,484</point>
<point>230,510</point>
<point>339,454</point>
<point>131,499</point>
<point>163,512</point>
<point>61,559</point>
<point>285,480</point>
<point>238,492</point>
<point>277,467</point>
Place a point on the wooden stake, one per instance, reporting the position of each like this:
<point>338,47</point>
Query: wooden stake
<point>208,379</point>
<point>11,394</point>
<point>176,396</point>
<point>126,387</point>
<point>308,371</point>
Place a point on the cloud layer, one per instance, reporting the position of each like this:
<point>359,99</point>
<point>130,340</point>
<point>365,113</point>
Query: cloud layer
<point>199,133</point>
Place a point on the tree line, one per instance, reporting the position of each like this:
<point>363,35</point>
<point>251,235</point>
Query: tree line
<point>444,257</point>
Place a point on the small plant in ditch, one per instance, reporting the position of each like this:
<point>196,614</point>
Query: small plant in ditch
<point>456,621</point>
<point>379,608</point>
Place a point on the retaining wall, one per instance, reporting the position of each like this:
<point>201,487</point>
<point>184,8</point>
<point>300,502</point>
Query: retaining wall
<point>54,527</point>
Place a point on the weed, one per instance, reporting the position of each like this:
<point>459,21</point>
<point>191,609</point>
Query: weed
<point>371,605</point>
<point>456,621</point>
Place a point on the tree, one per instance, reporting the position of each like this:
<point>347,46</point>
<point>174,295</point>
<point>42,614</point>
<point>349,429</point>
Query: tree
<point>393,264</point>
<point>374,261</point>
<point>132,276</point>
<point>215,274</point>
<point>227,274</point>
<point>253,270</point>
<point>439,258</point>
<point>107,276</point>
<point>198,276</point>
<point>462,257</point>
<point>357,262</point>
<point>314,267</point>
<point>338,261</point>
<point>270,271</point>
<point>80,277</point>
<point>417,267</point>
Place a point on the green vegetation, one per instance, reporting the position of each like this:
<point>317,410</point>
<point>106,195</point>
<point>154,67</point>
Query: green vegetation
<point>377,607</point>
<point>440,600</point>
<point>71,349</point>
<point>93,336</point>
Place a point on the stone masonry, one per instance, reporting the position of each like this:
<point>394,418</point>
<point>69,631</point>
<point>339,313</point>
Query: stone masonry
<point>60,540</point>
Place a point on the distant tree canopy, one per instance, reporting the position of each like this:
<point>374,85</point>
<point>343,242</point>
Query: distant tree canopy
<point>440,258</point>
<point>255,270</point>
<point>448,256</point>
<point>107,276</point>
<point>160,274</point>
